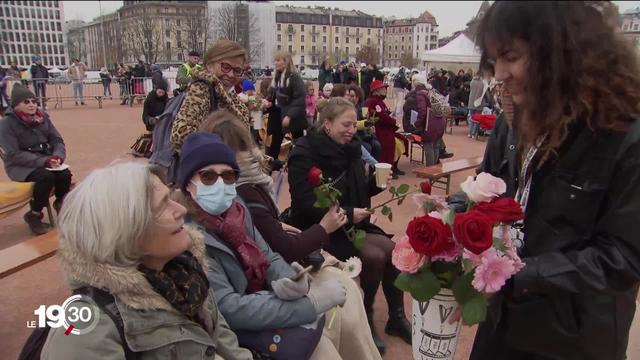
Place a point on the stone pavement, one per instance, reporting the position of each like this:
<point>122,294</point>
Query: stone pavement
<point>95,138</point>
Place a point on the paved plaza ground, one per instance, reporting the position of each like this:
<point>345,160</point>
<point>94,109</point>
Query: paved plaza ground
<point>95,138</point>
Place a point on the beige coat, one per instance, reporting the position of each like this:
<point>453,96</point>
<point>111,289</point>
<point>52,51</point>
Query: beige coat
<point>77,72</point>
<point>151,325</point>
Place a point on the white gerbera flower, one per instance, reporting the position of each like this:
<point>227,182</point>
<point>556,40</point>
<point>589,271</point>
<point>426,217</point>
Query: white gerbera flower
<point>352,267</point>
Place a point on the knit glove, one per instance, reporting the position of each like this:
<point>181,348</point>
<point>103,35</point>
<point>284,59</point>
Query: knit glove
<point>326,295</point>
<point>287,289</point>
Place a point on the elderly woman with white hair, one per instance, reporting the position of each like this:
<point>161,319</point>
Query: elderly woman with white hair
<point>122,236</point>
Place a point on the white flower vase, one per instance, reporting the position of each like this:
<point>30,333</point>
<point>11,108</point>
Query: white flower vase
<point>433,337</point>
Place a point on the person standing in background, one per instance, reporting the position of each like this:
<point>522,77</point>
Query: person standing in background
<point>77,74</point>
<point>184,72</point>
<point>39,76</point>
<point>105,76</point>
<point>325,74</point>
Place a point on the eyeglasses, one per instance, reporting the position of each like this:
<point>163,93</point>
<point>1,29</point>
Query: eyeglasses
<point>210,177</point>
<point>30,101</point>
<point>226,68</point>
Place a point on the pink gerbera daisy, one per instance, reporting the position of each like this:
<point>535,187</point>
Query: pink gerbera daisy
<point>493,272</point>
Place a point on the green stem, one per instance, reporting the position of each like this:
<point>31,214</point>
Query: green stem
<point>392,200</point>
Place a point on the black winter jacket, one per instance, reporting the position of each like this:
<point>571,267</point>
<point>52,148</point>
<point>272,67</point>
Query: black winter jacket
<point>291,101</point>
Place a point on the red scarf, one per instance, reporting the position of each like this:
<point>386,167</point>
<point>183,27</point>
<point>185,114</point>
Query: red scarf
<point>31,120</point>
<point>230,228</point>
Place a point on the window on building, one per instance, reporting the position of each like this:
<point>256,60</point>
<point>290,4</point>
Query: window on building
<point>59,38</point>
<point>337,29</point>
<point>301,48</point>
<point>48,38</point>
<point>368,31</point>
<point>625,27</point>
<point>301,27</point>
<point>177,22</point>
<point>290,48</point>
<point>389,47</point>
<point>324,29</point>
<point>59,26</point>
<point>279,37</point>
<point>302,38</point>
<point>347,50</point>
<point>279,47</point>
<point>324,49</point>
<point>337,39</point>
<point>313,49</point>
<point>346,40</point>
<point>403,39</point>
<point>396,48</point>
<point>279,27</point>
<point>357,40</point>
<point>336,50</point>
<point>402,48</point>
<point>346,31</point>
<point>313,38</point>
<point>635,27</point>
<point>368,41</point>
<point>167,33</point>
<point>425,47</point>
<point>324,39</point>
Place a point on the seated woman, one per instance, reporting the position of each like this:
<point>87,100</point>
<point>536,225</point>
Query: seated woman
<point>154,104</point>
<point>121,233</point>
<point>332,148</point>
<point>33,151</point>
<point>255,287</point>
<point>255,188</point>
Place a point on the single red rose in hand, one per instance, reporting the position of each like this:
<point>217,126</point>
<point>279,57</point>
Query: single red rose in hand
<point>314,176</point>
<point>429,236</point>
<point>474,231</point>
<point>425,187</point>
<point>504,210</point>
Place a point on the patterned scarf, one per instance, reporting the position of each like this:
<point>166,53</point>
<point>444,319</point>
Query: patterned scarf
<point>230,228</point>
<point>182,282</point>
<point>226,100</point>
<point>31,120</point>
<point>253,170</point>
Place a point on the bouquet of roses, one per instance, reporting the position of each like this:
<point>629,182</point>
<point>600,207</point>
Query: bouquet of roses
<point>470,253</point>
<point>252,102</point>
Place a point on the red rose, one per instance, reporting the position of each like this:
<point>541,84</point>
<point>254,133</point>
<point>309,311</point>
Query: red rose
<point>429,236</point>
<point>425,187</point>
<point>474,231</point>
<point>504,210</point>
<point>315,176</point>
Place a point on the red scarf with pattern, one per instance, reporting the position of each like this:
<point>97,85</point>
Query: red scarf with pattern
<point>31,120</point>
<point>230,228</point>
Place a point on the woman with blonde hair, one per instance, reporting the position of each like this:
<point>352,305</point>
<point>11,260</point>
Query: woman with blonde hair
<point>209,90</point>
<point>290,100</point>
<point>575,84</point>
<point>122,238</point>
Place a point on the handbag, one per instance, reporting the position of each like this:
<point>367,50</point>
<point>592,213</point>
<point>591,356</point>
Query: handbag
<point>294,343</point>
<point>142,146</point>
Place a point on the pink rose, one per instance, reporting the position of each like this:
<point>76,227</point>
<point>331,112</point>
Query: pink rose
<point>427,203</point>
<point>378,108</point>
<point>405,259</point>
<point>484,188</point>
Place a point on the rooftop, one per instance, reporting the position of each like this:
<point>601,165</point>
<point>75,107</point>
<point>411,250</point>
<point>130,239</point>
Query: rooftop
<point>321,10</point>
<point>635,11</point>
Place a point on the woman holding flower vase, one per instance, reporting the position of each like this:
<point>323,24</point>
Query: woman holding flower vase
<point>579,142</point>
<point>332,152</point>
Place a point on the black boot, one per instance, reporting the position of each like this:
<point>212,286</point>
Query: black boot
<point>396,170</point>
<point>369,290</point>
<point>34,220</point>
<point>397,325</point>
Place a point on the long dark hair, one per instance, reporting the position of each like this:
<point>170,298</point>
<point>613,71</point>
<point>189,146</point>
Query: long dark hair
<point>580,68</point>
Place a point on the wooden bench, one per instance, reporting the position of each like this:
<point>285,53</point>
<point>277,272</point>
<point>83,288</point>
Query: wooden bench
<point>28,253</point>
<point>435,173</point>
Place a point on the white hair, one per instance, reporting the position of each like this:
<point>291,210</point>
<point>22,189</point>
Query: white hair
<point>419,80</point>
<point>106,216</point>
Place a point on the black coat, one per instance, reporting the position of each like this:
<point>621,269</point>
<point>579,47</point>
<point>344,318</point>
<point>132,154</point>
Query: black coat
<point>575,298</point>
<point>153,107</point>
<point>317,149</point>
<point>291,101</point>
<point>501,155</point>
<point>368,78</point>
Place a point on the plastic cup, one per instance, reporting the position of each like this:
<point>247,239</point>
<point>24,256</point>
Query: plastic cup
<point>383,171</point>
<point>365,112</point>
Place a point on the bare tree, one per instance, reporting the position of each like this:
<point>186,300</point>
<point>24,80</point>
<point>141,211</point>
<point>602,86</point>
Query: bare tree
<point>196,27</point>
<point>232,20</point>
<point>407,60</point>
<point>143,36</point>
<point>368,54</point>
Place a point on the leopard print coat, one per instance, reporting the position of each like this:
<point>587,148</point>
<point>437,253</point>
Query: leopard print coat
<point>197,105</point>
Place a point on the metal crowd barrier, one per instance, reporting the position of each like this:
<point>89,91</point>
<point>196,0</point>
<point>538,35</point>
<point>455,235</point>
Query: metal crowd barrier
<point>58,91</point>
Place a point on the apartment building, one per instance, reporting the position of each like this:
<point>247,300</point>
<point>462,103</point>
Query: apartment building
<point>412,36</point>
<point>312,35</point>
<point>30,28</point>
<point>631,26</point>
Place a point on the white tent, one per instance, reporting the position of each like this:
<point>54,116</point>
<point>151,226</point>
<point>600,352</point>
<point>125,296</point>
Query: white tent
<point>459,50</point>
<point>55,70</point>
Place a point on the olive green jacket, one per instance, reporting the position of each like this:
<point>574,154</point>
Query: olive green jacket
<point>151,325</point>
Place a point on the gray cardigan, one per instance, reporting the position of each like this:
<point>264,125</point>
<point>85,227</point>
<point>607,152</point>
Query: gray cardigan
<point>16,137</point>
<point>258,311</point>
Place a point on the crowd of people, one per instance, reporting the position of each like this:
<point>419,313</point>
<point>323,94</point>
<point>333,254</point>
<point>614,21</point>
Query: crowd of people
<point>201,262</point>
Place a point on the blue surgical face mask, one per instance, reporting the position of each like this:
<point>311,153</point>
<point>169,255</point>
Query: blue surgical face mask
<point>217,198</point>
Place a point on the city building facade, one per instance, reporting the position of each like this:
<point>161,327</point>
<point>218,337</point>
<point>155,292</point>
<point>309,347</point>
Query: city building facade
<point>631,26</point>
<point>409,37</point>
<point>312,35</point>
<point>30,28</point>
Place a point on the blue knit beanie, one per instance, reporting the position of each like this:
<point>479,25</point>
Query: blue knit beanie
<point>199,150</point>
<point>248,85</point>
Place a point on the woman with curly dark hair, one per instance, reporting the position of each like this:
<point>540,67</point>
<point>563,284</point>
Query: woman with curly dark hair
<point>575,85</point>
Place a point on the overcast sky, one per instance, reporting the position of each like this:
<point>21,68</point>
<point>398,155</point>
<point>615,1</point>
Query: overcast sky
<point>451,15</point>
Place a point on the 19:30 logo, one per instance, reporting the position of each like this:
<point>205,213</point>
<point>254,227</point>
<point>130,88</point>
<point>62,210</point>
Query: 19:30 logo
<point>78,315</point>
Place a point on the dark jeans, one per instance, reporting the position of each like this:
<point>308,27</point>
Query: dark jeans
<point>276,142</point>
<point>41,89</point>
<point>45,181</point>
<point>373,147</point>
